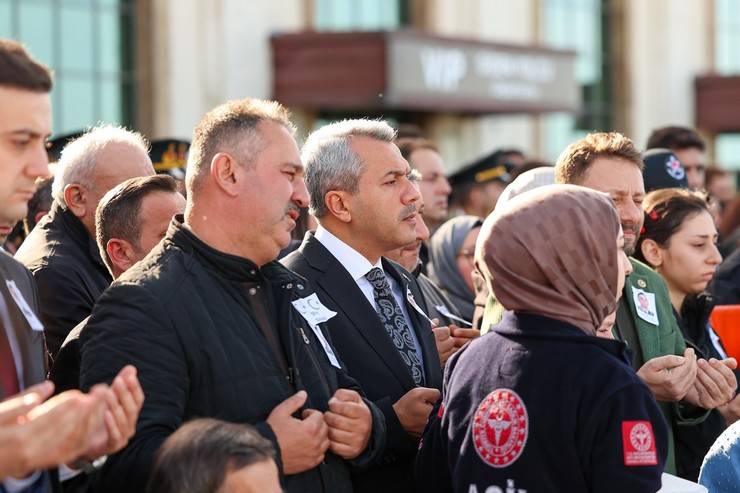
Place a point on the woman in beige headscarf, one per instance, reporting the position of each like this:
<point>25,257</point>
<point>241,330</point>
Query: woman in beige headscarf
<point>540,403</point>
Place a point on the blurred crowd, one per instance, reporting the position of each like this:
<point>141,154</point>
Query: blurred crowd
<point>240,314</point>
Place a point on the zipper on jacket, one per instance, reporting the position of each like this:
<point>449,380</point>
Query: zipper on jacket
<point>305,339</point>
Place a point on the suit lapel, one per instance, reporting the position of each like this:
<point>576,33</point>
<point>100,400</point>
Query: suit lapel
<point>30,342</point>
<point>347,297</point>
<point>647,333</point>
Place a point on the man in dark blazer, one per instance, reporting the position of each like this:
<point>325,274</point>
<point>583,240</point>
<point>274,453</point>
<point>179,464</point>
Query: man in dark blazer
<point>36,435</point>
<point>366,204</point>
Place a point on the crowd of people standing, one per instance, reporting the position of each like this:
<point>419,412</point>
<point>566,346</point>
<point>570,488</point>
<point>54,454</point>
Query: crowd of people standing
<point>345,316</point>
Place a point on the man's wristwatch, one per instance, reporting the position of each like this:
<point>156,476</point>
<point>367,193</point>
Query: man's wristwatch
<point>89,467</point>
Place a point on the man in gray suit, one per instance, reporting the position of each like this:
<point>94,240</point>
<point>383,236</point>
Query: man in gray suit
<point>35,435</point>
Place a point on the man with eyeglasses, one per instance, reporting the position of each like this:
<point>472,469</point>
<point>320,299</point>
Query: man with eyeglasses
<point>688,147</point>
<point>424,157</point>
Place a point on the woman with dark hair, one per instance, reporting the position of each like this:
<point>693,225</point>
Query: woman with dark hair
<point>451,261</point>
<point>679,241</point>
<point>211,456</point>
<point>540,403</point>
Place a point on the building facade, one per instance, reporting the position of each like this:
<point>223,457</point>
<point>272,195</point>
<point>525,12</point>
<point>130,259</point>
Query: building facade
<point>158,65</point>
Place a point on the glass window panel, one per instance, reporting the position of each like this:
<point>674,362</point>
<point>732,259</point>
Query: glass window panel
<point>56,105</point>
<point>78,105</point>
<point>109,47</point>
<point>77,38</point>
<point>370,14</point>
<point>727,148</point>
<point>560,131</point>
<point>36,29</point>
<point>358,14</point>
<point>727,36</point>
<point>6,19</point>
<point>110,102</point>
<point>78,4</point>
<point>577,25</point>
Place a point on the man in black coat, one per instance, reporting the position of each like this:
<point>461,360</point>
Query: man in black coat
<point>61,251</point>
<point>218,329</point>
<point>366,204</point>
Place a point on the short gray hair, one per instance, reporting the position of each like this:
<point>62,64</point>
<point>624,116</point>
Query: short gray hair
<point>330,162</point>
<point>79,157</point>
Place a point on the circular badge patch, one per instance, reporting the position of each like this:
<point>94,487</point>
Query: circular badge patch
<point>500,428</point>
<point>641,437</point>
<point>673,168</point>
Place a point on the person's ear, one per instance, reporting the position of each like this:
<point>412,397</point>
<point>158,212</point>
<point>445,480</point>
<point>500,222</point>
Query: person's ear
<point>75,196</point>
<point>652,252</point>
<point>226,172</point>
<point>121,254</point>
<point>339,204</point>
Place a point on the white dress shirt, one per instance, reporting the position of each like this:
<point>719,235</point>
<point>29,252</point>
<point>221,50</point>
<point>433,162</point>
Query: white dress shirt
<point>358,266</point>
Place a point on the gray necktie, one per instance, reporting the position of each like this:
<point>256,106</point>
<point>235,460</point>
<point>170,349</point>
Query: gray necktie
<point>395,324</point>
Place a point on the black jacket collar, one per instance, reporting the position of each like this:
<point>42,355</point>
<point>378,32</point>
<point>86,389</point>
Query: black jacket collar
<point>232,267</point>
<point>75,230</point>
<point>528,325</point>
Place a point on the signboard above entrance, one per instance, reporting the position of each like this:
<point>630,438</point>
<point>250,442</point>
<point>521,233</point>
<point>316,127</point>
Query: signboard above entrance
<point>417,72</point>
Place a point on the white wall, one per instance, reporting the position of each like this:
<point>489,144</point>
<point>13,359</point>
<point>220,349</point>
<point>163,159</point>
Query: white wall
<point>668,46</point>
<point>207,52</point>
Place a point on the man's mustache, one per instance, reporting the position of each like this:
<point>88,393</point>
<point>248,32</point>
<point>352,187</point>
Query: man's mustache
<point>407,211</point>
<point>631,228</point>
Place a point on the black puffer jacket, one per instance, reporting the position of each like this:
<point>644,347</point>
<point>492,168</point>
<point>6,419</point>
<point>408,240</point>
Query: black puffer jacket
<point>182,318</point>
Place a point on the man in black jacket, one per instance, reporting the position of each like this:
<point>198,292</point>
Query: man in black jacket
<point>218,329</point>
<point>61,251</point>
<point>130,220</point>
<point>366,204</point>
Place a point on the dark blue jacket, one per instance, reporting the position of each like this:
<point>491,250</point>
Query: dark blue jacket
<point>536,405</point>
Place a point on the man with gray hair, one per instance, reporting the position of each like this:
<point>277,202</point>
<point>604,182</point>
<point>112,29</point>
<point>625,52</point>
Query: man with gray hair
<point>363,196</point>
<point>61,252</point>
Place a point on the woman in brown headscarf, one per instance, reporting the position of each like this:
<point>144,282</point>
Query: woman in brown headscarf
<point>540,404</point>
